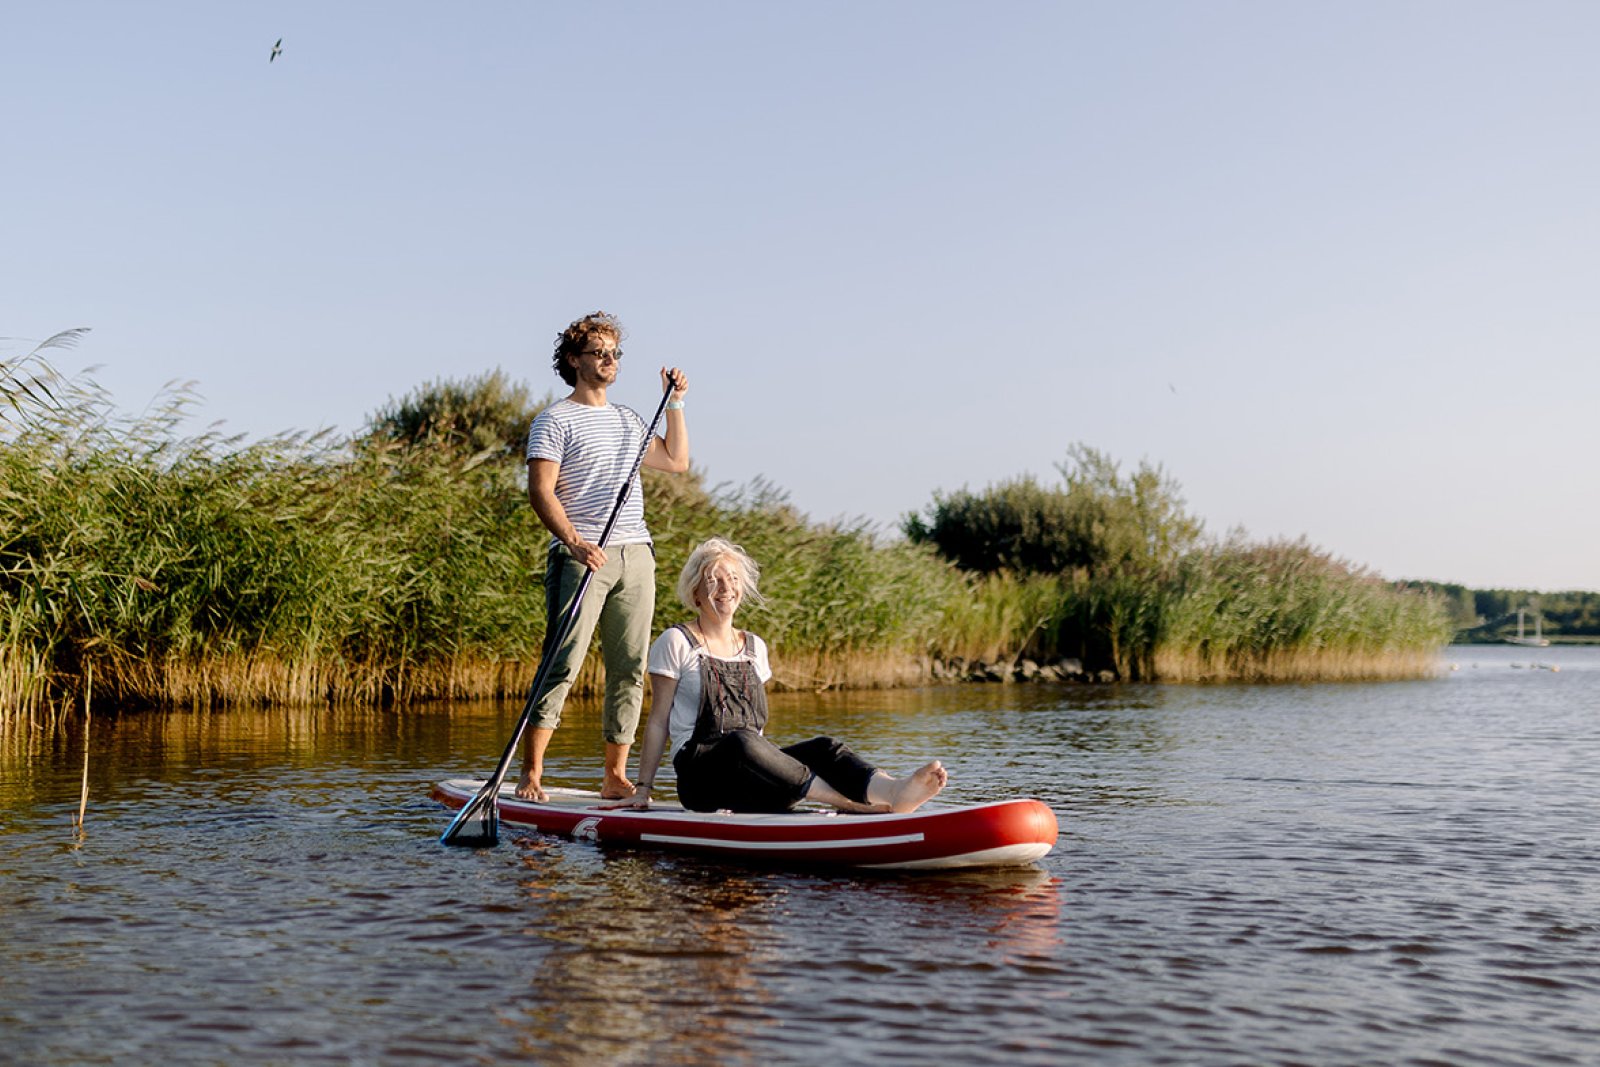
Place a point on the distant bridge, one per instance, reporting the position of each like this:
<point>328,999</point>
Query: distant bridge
<point>1492,629</point>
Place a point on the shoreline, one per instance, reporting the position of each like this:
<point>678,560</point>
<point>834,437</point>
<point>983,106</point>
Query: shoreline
<point>262,684</point>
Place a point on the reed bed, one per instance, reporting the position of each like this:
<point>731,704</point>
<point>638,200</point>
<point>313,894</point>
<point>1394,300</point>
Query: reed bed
<point>817,672</point>
<point>200,571</point>
<point>1005,615</point>
<point>1296,665</point>
<point>24,675</point>
<point>1287,611</point>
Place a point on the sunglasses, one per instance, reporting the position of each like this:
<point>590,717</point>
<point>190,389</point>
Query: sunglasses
<point>603,354</point>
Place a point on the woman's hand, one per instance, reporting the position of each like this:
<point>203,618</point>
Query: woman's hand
<point>640,801</point>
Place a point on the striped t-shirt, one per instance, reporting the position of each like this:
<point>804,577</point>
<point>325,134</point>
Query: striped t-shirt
<point>596,448</point>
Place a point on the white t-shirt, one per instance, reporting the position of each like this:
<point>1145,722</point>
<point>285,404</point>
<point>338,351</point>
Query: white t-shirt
<point>596,448</point>
<point>674,656</point>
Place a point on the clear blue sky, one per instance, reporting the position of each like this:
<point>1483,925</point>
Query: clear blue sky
<point>1334,266</point>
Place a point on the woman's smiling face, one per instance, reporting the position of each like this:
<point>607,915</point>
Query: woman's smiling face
<point>722,588</point>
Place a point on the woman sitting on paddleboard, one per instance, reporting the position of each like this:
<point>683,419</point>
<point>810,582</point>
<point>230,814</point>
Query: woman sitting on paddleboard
<point>707,695</point>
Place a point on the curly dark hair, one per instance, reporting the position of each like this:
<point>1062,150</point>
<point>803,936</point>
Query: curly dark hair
<point>575,338</point>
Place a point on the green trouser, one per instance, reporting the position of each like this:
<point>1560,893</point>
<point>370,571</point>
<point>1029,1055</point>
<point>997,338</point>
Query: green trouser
<point>622,599</point>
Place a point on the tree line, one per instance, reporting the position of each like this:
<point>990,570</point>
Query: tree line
<point>1491,614</point>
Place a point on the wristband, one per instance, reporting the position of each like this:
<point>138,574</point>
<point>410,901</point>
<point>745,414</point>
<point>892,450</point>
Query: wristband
<point>674,405</point>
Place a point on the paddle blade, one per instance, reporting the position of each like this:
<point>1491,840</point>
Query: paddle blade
<point>477,824</point>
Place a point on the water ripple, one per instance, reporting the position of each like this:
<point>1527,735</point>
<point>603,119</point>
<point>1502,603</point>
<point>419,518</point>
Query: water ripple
<point>1406,874</point>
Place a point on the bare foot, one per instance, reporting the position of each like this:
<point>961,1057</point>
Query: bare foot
<point>923,785</point>
<point>529,788</point>
<point>856,807</point>
<point>636,802</point>
<point>616,788</point>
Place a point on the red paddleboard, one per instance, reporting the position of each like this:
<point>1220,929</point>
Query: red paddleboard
<point>1003,833</point>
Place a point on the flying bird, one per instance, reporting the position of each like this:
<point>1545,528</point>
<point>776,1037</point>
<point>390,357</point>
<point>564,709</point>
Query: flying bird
<point>277,50</point>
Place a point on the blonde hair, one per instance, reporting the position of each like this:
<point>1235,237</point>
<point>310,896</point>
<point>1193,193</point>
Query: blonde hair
<point>708,554</point>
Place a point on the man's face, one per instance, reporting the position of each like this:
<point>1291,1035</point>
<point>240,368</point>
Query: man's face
<point>599,360</point>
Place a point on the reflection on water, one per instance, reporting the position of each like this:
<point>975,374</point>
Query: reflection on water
<point>664,959</point>
<point>669,960</point>
<point>1394,873</point>
<point>695,937</point>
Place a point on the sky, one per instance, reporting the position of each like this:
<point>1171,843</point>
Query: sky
<point>1334,267</point>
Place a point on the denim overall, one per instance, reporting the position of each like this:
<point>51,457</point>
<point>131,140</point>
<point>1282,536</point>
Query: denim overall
<point>732,696</point>
<point>728,765</point>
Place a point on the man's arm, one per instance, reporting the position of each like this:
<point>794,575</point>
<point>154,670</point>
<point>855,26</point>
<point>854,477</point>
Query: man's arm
<point>671,454</point>
<point>542,495</point>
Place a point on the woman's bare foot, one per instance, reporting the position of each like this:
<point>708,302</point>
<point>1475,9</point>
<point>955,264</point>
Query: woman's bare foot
<point>820,792</point>
<point>615,788</point>
<point>856,807</point>
<point>909,794</point>
<point>529,788</point>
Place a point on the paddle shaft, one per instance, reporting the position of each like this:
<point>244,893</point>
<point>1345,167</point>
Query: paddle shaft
<point>486,796</point>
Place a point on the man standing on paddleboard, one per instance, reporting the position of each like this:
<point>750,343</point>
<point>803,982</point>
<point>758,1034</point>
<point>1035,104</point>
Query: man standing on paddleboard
<point>580,449</point>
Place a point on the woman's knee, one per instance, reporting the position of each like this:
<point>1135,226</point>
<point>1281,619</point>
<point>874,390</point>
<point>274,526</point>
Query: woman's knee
<point>743,746</point>
<point>749,754</point>
<point>826,748</point>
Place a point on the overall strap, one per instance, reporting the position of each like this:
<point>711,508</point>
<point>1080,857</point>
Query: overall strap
<point>744,649</point>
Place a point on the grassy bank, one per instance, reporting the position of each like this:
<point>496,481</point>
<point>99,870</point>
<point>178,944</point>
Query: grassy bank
<point>1286,611</point>
<point>1108,567</point>
<point>205,570</point>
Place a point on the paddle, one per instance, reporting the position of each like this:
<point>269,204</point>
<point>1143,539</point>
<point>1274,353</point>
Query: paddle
<point>477,824</point>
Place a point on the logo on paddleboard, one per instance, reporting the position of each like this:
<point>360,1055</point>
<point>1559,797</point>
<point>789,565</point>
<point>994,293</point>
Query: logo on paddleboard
<point>587,829</point>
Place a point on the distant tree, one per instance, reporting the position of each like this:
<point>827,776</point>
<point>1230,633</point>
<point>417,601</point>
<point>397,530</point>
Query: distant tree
<point>1458,600</point>
<point>1569,614</point>
<point>1098,521</point>
<point>1014,526</point>
<point>1491,614</point>
<point>484,413</point>
<point>1493,604</point>
<point>1129,523</point>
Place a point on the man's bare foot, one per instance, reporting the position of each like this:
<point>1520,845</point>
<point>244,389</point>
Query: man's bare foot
<point>529,788</point>
<point>616,788</point>
<point>923,785</point>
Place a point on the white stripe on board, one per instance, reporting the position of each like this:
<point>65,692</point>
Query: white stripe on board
<point>722,842</point>
<point>1004,855</point>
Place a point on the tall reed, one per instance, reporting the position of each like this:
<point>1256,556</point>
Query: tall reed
<point>842,605</point>
<point>1284,610</point>
<point>204,569</point>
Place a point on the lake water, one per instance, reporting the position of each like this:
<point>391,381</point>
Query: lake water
<point>1404,873</point>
